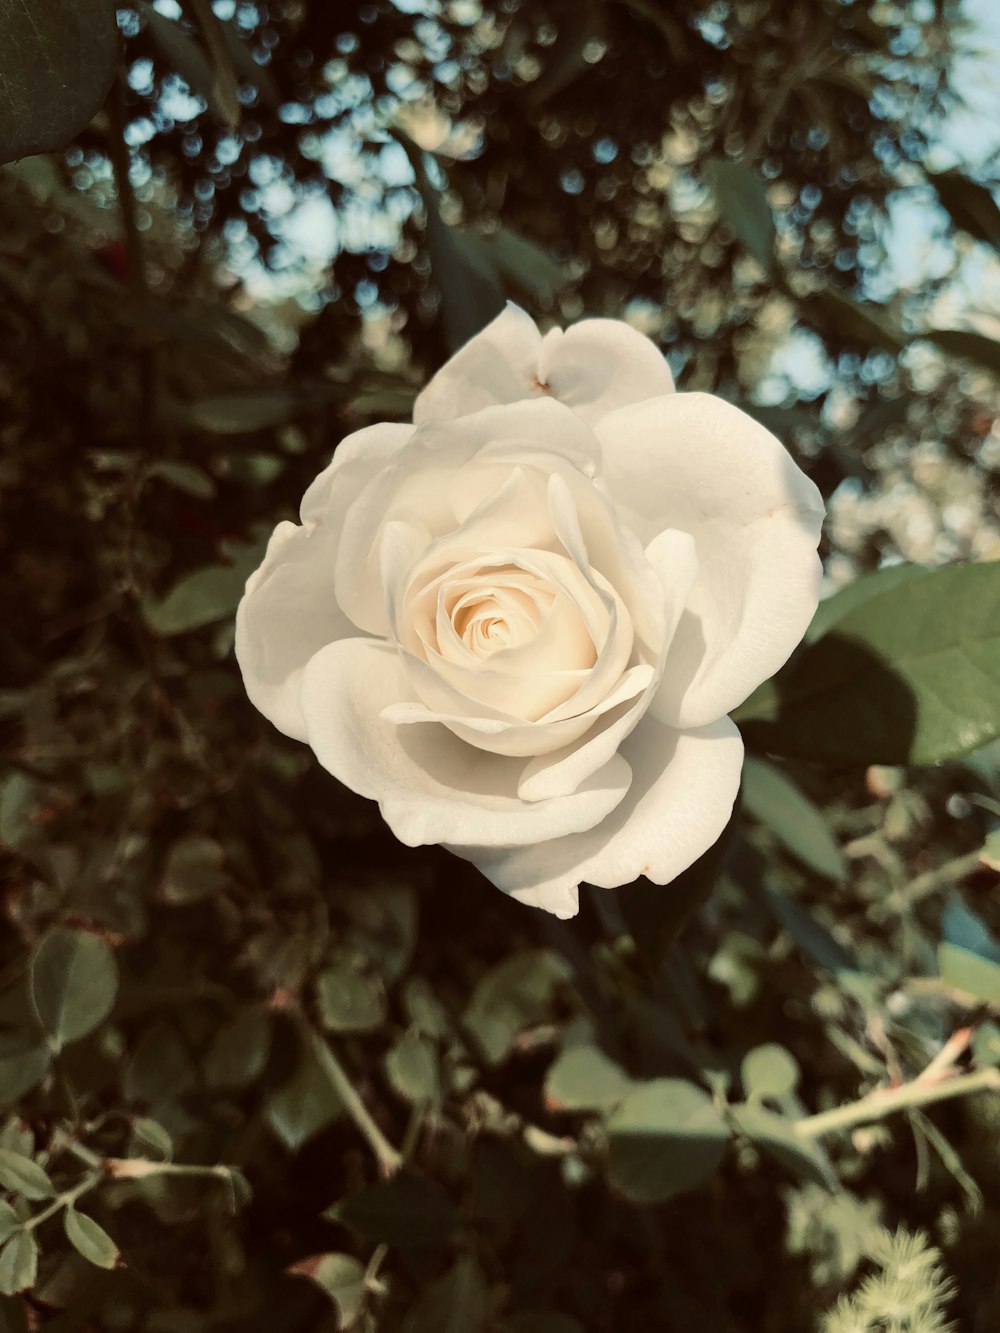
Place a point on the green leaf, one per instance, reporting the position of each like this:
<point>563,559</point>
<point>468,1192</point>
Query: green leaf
<point>249,410</point>
<point>455,1303</point>
<point>24,1062</point>
<point>58,64</point>
<point>584,1079</point>
<point>834,608</point>
<point>184,477</point>
<point>149,1136</point>
<point>525,268</point>
<point>203,597</point>
<point>809,933</point>
<point>512,996</point>
<point>341,1277</point>
<point>775,801</point>
<point>971,205</point>
<point>307,1103</point>
<point>238,1054</point>
<point>18,1263</point>
<point>89,1240</point>
<point>855,321</point>
<point>194,870</point>
<point>349,1001</point>
<point>404,1211</point>
<point>769,1071</point>
<point>986,1045</point>
<point>665,1138</point>
<point>742,200</point>
<point>961,926</point>
<point>74,982</point>
<point>19,799</point>
<point>9,1221</point>
<point>24,1176</point>
<point>463,271</point>
<point>775,1135</point>
<point>411,1067</point>
<point>969,345</point>
<point>656,914</point>
<point>909,676</point>
<point>968,971</point>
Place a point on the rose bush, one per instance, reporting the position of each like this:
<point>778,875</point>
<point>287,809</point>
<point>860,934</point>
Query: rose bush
<point>519,623</point>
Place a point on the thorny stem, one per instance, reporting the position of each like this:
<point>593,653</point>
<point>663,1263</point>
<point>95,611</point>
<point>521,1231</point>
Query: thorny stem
<point>879,1105</point>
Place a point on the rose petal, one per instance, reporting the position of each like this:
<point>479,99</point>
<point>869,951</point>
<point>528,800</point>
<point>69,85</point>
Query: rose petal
<point>599,365</point>
<point>286,615</point>
<point>684,784</point>
<point>593,367</point>
<point>430,786</point>
<point>357,459</point>
<point>417,485</point>
<point>554,774</point>
<point>498,365</point>
<point>692,462</point>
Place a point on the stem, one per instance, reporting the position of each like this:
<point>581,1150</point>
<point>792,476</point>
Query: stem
<point>952,872</point>
<point>879,1105</point>
<point>120,155</point>
<point>389,1159</point>
<point>63,1201</point>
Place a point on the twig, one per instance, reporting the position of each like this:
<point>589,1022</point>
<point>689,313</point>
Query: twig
<point>879,1105</point>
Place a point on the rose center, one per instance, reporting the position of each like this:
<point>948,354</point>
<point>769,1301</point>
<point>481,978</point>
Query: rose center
<point>491,618</point>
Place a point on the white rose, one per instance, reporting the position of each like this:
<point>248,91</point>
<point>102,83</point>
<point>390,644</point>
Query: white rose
<point>519,623</point>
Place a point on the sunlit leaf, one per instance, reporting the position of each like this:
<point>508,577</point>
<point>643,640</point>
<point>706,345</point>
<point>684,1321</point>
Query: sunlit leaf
<point>911,675</point>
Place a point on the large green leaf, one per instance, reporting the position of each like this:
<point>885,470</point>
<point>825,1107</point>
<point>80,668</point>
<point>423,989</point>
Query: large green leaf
<point>912,675</point>
<point>58,64</point>
<point>74,981</point>
<point>971,205</point>
<point>968,344</point>
<point>666,1137</point>
<point>742,200</point>
<point>776,802</point>
<point>834,608</point>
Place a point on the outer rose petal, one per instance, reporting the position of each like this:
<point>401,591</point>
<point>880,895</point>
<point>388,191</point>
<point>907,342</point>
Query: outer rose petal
<point>684,784</point>
<point>497,366</point>
<point>430,786</point>
<point>594,367</point>
<point>287,614</point>
<point>599,365</point>
<point>694,462</point>
<point>288,611</point>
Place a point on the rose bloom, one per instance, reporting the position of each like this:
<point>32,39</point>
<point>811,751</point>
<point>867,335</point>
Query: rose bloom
<point>520,622</point>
